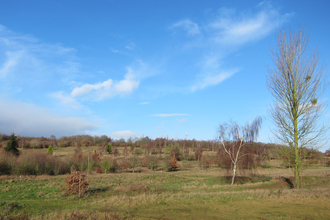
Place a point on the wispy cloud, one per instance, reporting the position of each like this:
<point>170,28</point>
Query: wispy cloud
<point>183,120</point>
<point>30,120</point>
<point>231,29</point>
<point>167,115</point>
<point>227,33</point>
<point>107,88</point>
<point>26,56</point>
<point>144,103</point>
<point>124,134</point>
<point>190,27</point>
<point>68,101</point>
<point>130,46</point>
<point>12,59</point>
<point>212,80</point>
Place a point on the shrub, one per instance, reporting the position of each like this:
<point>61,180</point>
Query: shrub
<point>98,170</point>
<point>167,166</point>
<point>175,152</point>
<point>133,162</point>
<point>7,162</point>
<point>78,160</point>
<point>37,163</point>
<point>124,164</point>
<point>109,165</point>
<point>204,162</point>
<point>50,150</point>
<point>137,152</point>
<point>76,182</point>
<point>174,164</point>
<point>12,145</point>
<point>198,153</point>
<point>109,149</point>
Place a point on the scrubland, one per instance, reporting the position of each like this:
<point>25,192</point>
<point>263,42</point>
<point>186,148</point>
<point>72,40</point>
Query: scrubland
<point>192,191</point>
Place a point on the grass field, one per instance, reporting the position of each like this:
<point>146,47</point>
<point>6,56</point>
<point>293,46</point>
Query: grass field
<point>185,194</point>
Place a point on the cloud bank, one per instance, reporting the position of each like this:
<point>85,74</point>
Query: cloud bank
<point>29,120</point>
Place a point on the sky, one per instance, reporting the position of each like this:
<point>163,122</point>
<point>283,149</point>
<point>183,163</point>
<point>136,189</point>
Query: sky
<point>126,68</point>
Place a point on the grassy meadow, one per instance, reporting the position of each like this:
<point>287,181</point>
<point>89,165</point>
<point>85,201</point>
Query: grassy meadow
<point>189,193</point>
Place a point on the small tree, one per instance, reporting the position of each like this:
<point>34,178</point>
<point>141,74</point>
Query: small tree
<point>174,164</point>
<point>109,149</point>
<point>50,150</point>
<point>12,145</point>
<point>76,182</point>
<point>233,138</point>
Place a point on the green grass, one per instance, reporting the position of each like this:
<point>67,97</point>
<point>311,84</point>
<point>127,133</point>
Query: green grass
<point>167,195</point>
<point>187,194</point>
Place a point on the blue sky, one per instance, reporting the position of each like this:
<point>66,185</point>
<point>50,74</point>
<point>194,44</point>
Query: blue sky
<point>156,68</point>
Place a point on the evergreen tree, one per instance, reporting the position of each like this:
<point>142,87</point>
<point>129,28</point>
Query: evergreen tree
<point>12,145</point>
<point>50,150</point>
<point>109,148</point>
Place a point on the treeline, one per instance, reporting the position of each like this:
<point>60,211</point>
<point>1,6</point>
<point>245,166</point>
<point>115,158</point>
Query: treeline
<point>131,155</point>
<point>155,146</point>
<point>43,142</point>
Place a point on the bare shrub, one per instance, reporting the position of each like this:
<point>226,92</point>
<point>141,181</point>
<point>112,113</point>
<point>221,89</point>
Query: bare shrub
<point>175,152</point>
<point>7,162</point>
<point>151,162</point>
<point>198,153</point>
<point>124,164</point>
<point>37,163</point>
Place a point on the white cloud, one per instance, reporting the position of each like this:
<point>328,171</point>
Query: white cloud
<point>66,100</point>
<point>131,46</point>
<point>108,88</point>
<point>189,26</point>
<point>124,134</point>
<point>144,103</point>
<point>224,35</point>
<point>113,50</point>
<point>212,80</point>
<point>167,115</point>
<point>182,120</point>
<point>128,84</point>
<point>103,87</point>
<point>27,57</point>
<point>29,120</point>
<point>233,30</point>
<point>12,59</point>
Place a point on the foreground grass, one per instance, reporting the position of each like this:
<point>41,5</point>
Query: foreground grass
<point>161,195</point>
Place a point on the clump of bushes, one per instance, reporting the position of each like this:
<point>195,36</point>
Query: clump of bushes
<point>150,162</point>
<point>38,163</point>
<point>171,165</point>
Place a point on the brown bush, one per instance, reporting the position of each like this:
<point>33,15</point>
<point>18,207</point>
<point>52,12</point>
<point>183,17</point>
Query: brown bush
<point>98,170</point>
<point>198,153</point>
<point>96,158</point>
<point>76,182</point>
<point>145,161</point>
<point>174,164</point>
<point>124,164</point>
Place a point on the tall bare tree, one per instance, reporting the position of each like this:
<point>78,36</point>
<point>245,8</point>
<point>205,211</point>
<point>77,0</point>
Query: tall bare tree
<point>233,137</point>
<point>296,82</point>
